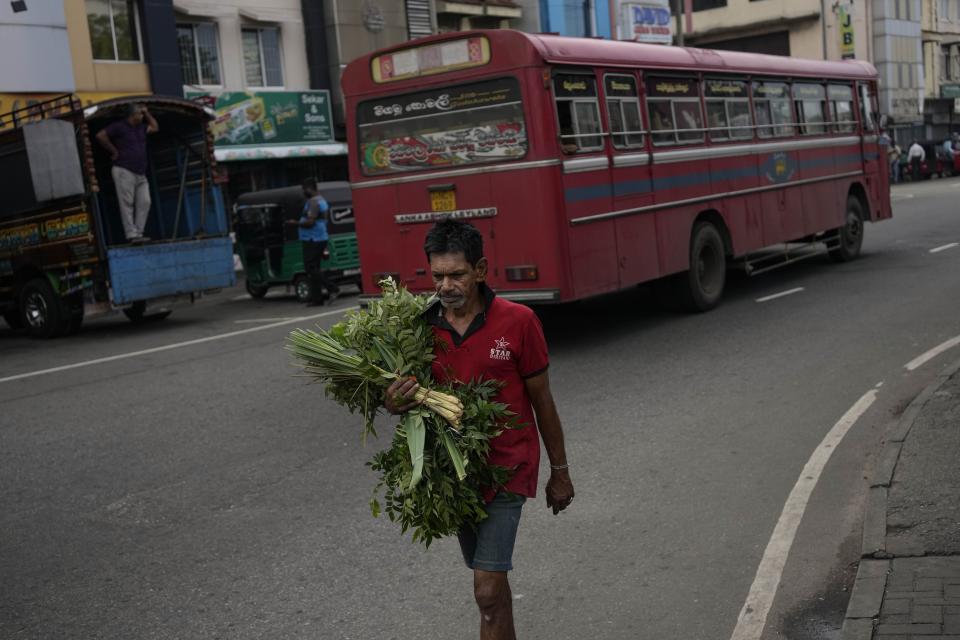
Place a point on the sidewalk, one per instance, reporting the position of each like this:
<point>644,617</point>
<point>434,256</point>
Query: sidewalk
<point>908,583</point>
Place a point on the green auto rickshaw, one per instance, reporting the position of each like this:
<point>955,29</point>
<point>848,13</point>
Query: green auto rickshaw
<point>270,250</point>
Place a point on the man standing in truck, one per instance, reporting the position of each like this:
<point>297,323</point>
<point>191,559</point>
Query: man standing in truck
<point>126,141</point>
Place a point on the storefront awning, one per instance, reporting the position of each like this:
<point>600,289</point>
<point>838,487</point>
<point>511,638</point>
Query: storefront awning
<point>278,151</point>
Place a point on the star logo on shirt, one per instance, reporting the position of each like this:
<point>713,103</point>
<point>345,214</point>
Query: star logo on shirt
<point>502,343</point>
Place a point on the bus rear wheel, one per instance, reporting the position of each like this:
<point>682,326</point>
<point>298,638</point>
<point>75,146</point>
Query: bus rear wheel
<point>850,235</point>
<point>701,288</point>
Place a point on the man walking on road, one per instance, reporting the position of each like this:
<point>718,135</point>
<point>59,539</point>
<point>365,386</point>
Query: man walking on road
<point>480,335</point>
<point>312,230</point>
<point>916,157</point>
<point>126,141</point>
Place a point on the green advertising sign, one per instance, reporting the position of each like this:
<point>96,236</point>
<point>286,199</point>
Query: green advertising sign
<point>950,91</point>
<point>270,117</point>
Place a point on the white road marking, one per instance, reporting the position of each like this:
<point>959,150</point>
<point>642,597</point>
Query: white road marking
<point>753,616</point>
<point>879,384</point>
<point>256,320</point>
<point>902,196</point>
<point>924,358</point>
<point>945,247</point>
<point>245,296</point>
<point>175,345</point>
<point>789,292</point>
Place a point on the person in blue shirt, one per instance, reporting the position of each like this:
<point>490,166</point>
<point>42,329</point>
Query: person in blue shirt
<point>312,229</point>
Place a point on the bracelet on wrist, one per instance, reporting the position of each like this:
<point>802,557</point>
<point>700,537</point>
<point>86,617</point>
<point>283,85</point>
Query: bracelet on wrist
<point>559,467</point>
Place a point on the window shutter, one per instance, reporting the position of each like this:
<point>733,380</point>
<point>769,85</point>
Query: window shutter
<point>419,23</point>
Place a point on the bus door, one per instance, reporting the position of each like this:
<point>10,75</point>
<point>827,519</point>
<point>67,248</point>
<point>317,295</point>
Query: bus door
<point>875,159</point>
<point>632,188</point>
<point>585,182</point>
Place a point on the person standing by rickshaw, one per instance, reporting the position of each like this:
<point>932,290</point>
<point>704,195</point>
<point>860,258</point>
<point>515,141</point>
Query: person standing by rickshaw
<point>312,230</point>
<point>916,156</point>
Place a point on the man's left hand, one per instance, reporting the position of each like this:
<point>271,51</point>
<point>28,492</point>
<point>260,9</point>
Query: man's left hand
<point>559,490</point>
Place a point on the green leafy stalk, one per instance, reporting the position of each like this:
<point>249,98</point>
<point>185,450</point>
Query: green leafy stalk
<point>432,477</point>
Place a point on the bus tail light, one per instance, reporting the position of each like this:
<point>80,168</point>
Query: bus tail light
<point>523,272</point>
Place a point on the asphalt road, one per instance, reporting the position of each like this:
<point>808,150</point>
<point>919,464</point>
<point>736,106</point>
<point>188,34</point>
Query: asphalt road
<point>204,492</point>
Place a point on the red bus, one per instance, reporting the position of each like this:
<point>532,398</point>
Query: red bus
<point>594,165</point>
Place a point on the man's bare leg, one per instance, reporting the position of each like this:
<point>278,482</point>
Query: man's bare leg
<point>492,592</point>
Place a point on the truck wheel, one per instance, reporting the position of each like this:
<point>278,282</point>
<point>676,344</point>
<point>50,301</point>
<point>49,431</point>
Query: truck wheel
<point>41,310</point>
<point>850,235</point>
<point>701,287</point>
<point>302,288</point>
<point>256,291</point>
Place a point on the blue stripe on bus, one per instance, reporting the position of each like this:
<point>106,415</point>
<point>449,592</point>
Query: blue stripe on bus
<point>686,181</point>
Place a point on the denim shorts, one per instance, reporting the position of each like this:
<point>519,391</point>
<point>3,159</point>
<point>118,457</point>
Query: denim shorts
<point>489,547</point>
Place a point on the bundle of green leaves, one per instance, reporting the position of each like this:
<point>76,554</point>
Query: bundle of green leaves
<point>432,477</point>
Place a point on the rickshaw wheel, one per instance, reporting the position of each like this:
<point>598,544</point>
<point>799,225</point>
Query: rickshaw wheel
<point>256,291</point>
<point>301,287</point>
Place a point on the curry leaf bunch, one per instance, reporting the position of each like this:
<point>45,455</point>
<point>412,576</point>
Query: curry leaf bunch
<point>433,474</point>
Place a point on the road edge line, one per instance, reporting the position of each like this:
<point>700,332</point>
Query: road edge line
<point>866,598</point>
<point>756,607</point>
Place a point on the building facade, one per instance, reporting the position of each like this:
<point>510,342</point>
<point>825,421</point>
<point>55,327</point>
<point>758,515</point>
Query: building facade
<point>578,18</point>
<point>93,48</point>
<point>800,28</point>
<point>941,67</point>
<point>898,57</point>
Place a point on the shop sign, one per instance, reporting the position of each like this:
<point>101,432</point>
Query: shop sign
<point>649,21</point>
<point>269,117</point>
<point>847,47</point>
<point>950,91</point>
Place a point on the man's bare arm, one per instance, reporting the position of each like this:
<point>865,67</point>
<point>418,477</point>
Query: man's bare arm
<point>559,487</point>
<point>152,126</point>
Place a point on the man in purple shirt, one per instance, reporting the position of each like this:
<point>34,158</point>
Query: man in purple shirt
<point>126,140</point>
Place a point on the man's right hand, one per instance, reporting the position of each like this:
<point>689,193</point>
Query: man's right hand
<point>401,395</point>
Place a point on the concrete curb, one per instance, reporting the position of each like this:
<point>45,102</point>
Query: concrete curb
<point>868,589</point>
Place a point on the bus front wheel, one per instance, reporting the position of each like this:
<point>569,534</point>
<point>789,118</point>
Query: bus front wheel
<point>702,286</point>
<point>850,235</point>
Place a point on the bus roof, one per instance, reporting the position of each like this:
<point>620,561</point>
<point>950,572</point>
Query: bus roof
<point>516,49</point>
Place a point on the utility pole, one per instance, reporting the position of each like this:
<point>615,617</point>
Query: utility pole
<point>678,13</point>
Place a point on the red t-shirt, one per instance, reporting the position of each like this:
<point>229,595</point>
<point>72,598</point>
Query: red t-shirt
<point>505,342</point>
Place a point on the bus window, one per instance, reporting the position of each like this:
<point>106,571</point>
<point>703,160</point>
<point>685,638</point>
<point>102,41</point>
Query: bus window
<point>578,112</point>
<point>673,105</point>
<point>841,108</point>
<point>771,102</point>
<point>623,110</point>
<point>453,126</point>
<point>867,110</point>
<point>811,115</point>
<point>728,110</point>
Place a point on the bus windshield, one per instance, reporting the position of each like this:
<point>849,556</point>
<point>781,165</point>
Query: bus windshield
<point>446,127</point>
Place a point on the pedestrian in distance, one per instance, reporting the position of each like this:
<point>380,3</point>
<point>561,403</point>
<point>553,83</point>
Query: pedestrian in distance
<point>480,335</point>
<point>893,156</point>
<point>126,141</point>
<point>916,156</point>
<point>312,231</point>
